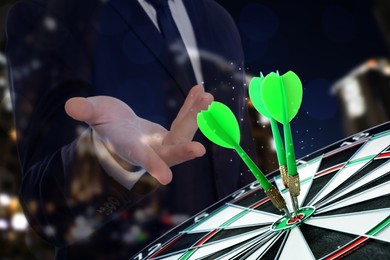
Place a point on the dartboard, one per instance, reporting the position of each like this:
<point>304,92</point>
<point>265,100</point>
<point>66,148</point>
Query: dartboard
<point>344,212</point>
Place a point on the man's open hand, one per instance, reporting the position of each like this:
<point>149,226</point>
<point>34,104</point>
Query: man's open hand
<point>140,142</point>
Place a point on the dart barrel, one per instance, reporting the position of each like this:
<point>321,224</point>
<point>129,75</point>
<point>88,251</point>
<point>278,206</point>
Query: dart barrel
<point>284,174</point>
<point>274,195</point>
<point>294,185</point>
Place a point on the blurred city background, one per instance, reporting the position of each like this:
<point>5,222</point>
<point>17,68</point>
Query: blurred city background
<point>340,50</point>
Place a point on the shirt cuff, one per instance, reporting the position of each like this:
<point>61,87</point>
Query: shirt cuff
<point>126,178</point>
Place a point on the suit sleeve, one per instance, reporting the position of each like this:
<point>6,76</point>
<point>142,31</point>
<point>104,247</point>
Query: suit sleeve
<point>65,193</point>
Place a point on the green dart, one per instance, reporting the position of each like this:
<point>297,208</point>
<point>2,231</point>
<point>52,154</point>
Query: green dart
<point>219,124</point>
<point>257,101</point>
<point>282,97</point>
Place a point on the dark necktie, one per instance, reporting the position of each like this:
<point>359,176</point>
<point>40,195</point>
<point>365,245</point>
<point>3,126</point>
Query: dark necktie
<point>172,37</point>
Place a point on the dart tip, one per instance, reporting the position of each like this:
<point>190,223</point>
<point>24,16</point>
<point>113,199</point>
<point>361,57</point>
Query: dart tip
<point>287,213</point>
<point>295,205</point>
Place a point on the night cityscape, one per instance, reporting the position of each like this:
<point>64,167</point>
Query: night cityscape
<point>340,50</point>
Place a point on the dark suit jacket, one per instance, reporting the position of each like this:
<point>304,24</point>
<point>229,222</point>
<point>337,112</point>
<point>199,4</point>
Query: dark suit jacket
<point>61,49</point>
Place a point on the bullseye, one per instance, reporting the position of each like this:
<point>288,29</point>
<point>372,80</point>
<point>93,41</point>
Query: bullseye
<point>287,223</point>
<point>295,219</point>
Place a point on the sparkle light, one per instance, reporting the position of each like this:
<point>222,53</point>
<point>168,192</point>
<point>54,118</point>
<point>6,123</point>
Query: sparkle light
<point>272,145</point>
<point>50,23</point>
<point>263,120</point>
<point>12,134</point>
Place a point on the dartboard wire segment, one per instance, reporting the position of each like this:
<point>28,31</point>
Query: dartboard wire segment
<point>345,189</point>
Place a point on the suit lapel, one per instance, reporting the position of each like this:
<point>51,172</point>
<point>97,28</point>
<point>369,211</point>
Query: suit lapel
<point>139,22</point>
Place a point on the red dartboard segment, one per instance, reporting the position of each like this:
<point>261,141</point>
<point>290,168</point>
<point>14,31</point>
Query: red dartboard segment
<point>348,249</point>
<point>383,155</point>
<point>206,238</point>
<point>329,170</point>
<point>161,251</point>
<point>258,204</point>
<point>345,147</point>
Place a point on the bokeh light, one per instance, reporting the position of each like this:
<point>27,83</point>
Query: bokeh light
<point>19,222</point>
<point>5,199</point>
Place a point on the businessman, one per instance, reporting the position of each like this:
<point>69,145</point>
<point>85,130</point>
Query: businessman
<point>96,85</point>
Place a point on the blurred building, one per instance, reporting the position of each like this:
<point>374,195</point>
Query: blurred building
<point>364,95</point>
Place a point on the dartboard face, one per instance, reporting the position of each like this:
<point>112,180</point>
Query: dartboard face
<point>345,212</point>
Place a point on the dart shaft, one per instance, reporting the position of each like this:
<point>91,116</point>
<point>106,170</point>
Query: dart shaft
<point>290,153</point>
<point>288,141</point>
<point>259,175</point>
<point>278,142</point>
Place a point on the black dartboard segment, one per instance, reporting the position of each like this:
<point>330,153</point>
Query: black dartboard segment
<point>346,189</point>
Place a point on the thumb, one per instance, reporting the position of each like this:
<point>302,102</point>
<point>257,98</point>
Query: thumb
<point>99,110</point>
<point>80,109</point>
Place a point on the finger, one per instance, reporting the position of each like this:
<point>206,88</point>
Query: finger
<point>176,154</point>
<point>183,129</point>
<point>147,158</point>
<point>190,99</point>
<point>158,169</point>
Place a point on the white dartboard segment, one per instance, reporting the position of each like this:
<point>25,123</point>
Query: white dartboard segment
<point>375,192</point>
<point>297,246</point>
<point>371,176</point>
<point>366,153</point>
<point>354,223</point>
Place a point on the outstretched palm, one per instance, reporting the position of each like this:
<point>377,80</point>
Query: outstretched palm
<point>140,142</point>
